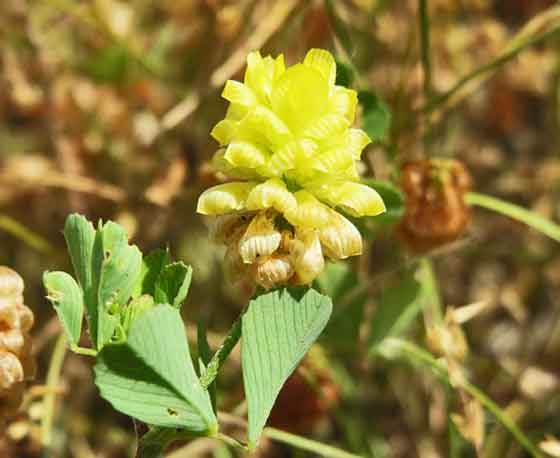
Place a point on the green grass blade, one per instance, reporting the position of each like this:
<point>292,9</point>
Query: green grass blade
<point>521,214</point>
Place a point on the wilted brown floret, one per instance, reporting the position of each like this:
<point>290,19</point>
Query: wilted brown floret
<point>436,212</point>
<point>16,362</point>
<point>307,397</point>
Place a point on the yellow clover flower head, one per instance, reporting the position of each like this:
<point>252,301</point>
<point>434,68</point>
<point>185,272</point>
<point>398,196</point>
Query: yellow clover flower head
<point>287,138</point>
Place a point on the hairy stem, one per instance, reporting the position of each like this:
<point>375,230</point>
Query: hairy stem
<point>221,354</point>
<point>309,445</point>
<point>53,378</point>
<point>424,22</point>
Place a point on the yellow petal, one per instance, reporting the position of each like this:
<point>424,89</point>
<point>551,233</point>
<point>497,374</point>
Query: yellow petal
<point>245,154</point>
<point>307,255</point>
<point>353,140</point>
<point>263,127</point>
<point>309,213</point>
<point>224,131</point>
<point>271,194</point>
<point>334,161</point>
<point>220,163</point>
<point>238,93</point>
<point>322,61</point>
<point>291,154</point>
<point>279,66</point>
<point>260,239</point>
<point>340,238</point>
<point>299,97</point>
<point>357,141</point>
<point>344,102</point>
<point>354,198</point>
<point>329,125</point>
<point>259,76</point>
<point>224,198</point>
<point>236,112</point>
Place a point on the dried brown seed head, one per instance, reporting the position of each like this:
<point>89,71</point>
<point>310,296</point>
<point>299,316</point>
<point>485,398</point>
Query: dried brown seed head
<point>436,212</point>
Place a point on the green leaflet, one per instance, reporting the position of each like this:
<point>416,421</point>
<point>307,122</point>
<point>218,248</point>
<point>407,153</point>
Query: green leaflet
<point>68,301</point>
<point>377,117</point>
<point>277,330</point>
<point>151,376</point>
<point>172,285</point>
<point>152,265</point>
<point>106,268</point>
<point>116,267</point>
<point>80,235</point>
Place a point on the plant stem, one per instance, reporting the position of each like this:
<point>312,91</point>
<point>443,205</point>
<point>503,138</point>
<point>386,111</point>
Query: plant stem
<point>527,217</point>
<point>27,236</point>
<point>83,350</point>
<point>418,354</point>
<point>424,22</point>
<point>309,445</point>
<point>53,378</point>
<point>221,354</point>
<point>231,441</point>
<point>155,441</point>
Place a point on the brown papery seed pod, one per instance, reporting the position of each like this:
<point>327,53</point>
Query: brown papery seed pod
<point>436,212</point>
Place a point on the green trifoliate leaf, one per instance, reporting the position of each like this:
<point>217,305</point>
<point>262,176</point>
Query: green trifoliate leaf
<point>152,266</point>
<point>172,285</point>
<point>116,267</point>
<point>68,301</point>
<point>151,376</point>
<point>277,330</point>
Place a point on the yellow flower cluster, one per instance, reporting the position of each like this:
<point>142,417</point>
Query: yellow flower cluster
<point>16,363</point>
<point>287,138</point>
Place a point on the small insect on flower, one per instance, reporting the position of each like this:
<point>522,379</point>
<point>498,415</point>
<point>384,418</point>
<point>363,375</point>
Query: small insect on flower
<point>288,138</point>
<point>436,212</point>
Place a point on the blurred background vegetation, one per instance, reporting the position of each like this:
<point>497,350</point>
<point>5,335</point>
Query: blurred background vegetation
<point>106,108</point>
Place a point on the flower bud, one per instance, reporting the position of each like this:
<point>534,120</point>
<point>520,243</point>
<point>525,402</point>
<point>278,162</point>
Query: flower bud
<point>340,239</point>
<point>260,239</point>
<point>307,256</point>
<point>273,271</point>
